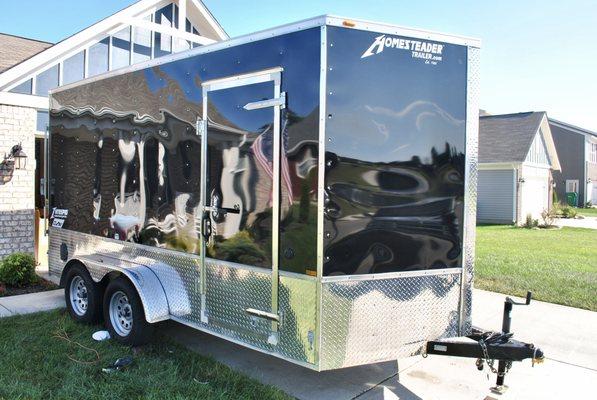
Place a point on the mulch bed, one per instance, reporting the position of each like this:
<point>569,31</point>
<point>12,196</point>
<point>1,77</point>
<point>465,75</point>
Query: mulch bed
<point>41,286</point>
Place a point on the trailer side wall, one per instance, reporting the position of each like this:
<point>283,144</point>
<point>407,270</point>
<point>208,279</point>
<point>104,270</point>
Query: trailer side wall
<point>126,168</point>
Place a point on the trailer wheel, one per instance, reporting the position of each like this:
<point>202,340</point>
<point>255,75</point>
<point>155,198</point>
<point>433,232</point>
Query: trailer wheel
<point>124,315</point>
<point>82,295</point>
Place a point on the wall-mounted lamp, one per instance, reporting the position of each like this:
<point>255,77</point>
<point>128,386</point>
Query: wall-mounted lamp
<point>18,156</point>
<point>589,180</point>
<point>520,180</point>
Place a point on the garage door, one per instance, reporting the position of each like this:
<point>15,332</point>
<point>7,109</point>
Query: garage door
<point>495,196</point>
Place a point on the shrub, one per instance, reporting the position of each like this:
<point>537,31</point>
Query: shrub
<point>530,223</point>
<point>18,269</point>
<point>567,211</point>
<point>548,217</point>
<point>556,208</point>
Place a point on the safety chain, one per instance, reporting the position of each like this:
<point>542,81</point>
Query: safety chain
<point>490,362</point>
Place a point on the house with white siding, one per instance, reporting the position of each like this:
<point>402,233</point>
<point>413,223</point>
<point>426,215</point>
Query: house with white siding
<point>517,157</point>
<point>145,30</point>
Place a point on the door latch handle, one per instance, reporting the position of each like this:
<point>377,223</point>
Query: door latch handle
<point>223,210</point>
<point>206,226</point>
<point>277,101</point>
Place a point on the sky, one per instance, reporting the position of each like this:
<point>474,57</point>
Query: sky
<point>536,55</point>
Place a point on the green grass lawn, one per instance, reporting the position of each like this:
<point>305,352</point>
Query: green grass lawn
<point>558,265</point>
<point>35,364</point>
<point>587,212</point>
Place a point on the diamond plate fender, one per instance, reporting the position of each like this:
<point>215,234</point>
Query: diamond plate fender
<point>147,284</point>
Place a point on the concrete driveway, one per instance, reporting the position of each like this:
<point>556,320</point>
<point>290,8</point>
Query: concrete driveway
<point>586,222</point>
<point>565,334</point>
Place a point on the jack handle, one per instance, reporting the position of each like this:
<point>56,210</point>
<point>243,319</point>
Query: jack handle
<point>526,303</point>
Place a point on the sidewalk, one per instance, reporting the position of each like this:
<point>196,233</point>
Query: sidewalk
<point>31,303</point>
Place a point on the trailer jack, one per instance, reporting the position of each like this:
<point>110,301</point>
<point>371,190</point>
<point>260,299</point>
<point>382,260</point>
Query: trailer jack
<point>488,347</point>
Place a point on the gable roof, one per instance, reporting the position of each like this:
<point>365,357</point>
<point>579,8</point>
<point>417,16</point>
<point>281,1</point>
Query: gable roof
<point>15,49</point>
<point>507,137</point>
<point>209,29</point>
<point>572,128</point>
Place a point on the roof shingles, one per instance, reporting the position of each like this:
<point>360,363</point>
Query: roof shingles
<point>507,137</point>
<point>15,49</point>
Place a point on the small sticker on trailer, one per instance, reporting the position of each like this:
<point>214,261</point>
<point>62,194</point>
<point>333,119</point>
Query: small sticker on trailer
<point>58,217</point>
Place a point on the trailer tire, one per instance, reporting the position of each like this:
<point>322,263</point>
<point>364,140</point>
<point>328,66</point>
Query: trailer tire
<point>82,295</point>
<point>124,315</point>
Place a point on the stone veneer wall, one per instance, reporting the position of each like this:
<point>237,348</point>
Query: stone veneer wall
<point>17,125</point>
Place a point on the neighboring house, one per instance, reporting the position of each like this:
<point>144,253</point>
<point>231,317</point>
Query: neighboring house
<point>577,150</point>
<point>516,158</point>
<point>30,68</point>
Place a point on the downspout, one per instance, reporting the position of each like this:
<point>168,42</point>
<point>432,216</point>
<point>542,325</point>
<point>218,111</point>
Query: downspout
<point>517,173</point>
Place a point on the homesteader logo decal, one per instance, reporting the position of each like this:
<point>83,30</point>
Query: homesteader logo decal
<point>430,52</point>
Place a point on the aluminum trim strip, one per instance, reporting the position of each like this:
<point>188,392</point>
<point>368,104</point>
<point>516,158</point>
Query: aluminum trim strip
<point>276,200</point>
<point>470,190</point>
<point>261,76</point>
<point>321,185</point>
<point>202,202</point>
<point>381,27</point>
<point>391,275</point>
<point>296,275</point>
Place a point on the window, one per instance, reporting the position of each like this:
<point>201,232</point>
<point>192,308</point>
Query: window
<point>42,120</point>
<point>73,68</point>
<point>24,88</point>
<point>141,43</point>
<point>121,48</point>
<point>98,58</point>
<point>593,153</point>
<point>46,80</point>
<point>196,32</point>
<point>163,43</point>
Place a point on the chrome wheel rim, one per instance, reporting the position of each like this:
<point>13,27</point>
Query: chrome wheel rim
<point>121,313</point>
<point>79,299</point>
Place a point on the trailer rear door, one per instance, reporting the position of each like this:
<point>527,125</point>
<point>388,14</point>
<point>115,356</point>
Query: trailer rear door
<point>241,177</point>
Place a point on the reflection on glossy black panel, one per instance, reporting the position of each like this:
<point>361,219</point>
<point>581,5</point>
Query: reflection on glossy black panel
<point>150,115</point>
<point>239,175</point>
<point>394,157</point>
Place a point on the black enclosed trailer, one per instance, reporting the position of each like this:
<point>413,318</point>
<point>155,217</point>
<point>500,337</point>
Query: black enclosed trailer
<point>307,191</point>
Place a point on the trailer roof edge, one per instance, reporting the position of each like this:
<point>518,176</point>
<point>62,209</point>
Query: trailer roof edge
<point>277,31</point>
<point>361,24</point>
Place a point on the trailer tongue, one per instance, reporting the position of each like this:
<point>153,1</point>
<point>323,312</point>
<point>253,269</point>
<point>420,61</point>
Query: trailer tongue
<point>488,347</point>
